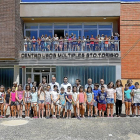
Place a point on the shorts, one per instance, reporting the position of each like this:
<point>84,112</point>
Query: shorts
<point>27,102</point>
<point>13,103</point>
<point>110,100</point>
<point>68,106</point>
<point>101,107</point>
<point>95,103</point>
<point>62,106</point>
<point>106,45</point>
<point>41,102</point>
<point>47,103</point>
<point>21,103</point>
<point>128,100</point>
<point>136,104</point>
<point>34,104</point>
<point>115,42</point>
<point>89,104</point>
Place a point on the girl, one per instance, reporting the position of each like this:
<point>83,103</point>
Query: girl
<point>69,101</point>
<point>119,97</point>
<point>47,101</point>
<point>54,98</point>
<point>74,43</point>
<point>90,97</point>
<point>88,44</point>
<point>70,43</point>
<point>60,43</point>
<point>25,43</point>
<point>65,43</point>
<point>34,101</point>
<point>111,98</point>
<point>41,97</point>
<point>7,97</point>
<point>2,100</point>
<point>62,102</point>
<point>12,102</point>
<point>56,42</point>
<point>128,99</point>
<point>27,101</point>
<point>20,100</point>
<point>83,44</point>
<point>38,44</point>
<point>136,100</point>
<point>106,43</point>
<point>82,100</point>
<point>76,102</point>
<point>102,101</point>
<point>95,92</point>
<point>79,44</point>
<point>42,42</point>
<point>34,44</point>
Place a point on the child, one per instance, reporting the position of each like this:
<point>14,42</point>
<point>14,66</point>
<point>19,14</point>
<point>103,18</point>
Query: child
<point>82,100</point>
<point>12,102</point>
<point>95,92</point>
<point>7,98</point>
<point>20,100</point>
<point>54,98</point>
<point>62,102</point>
<point>69,101</point>
<point>34,101</point>
<point>75,96</point>
<point>136,100</point>
<point>41,97</point>
<point>119,97</point>
<point>47,100</point>
<point>127,96</point>
<point>111,98</point>
<point>2,100</point>
<point>102,101</point>
<point>90,97</point>
<point>27,101</point>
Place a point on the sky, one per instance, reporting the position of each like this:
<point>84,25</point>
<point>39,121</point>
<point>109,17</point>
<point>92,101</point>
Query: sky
<point>76,0</point>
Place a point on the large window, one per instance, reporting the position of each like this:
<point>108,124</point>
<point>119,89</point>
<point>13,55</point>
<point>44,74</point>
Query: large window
<point>31,34</point>
<point>90,32</point>
<point>45,32</point>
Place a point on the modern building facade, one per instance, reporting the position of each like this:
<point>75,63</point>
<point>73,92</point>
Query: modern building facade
<point>82,18</point>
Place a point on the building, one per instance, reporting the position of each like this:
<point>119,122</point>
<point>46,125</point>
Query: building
<point>81,18</point>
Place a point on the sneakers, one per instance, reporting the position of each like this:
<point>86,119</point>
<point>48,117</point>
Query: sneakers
<point>78,118</point>
<point>58,117</point>
<point>133,115</point>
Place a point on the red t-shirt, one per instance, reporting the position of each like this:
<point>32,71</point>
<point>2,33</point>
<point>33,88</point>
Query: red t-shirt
<point>91,42</point>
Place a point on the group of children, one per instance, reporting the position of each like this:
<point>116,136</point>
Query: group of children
<point>63,101</point>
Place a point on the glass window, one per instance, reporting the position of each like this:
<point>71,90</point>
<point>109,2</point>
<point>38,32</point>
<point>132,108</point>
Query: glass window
<point>31,34</point>
<point>75,32</point>
<point>105,32</point>
<point>31,26</point>
<point>44,32</point>
<point>28,69</point>
<point>53,69</point>
<point>45,25</point>
<point>90,25</point>
<point>75,26</point>
<point>90,32</point>
<point>66,32</point>
<point>60,25</point>
<point>105,25</point>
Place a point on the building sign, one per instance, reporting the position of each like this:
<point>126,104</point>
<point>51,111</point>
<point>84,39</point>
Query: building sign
<point>73,55</point>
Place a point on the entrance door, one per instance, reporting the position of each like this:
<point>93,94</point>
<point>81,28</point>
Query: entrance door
<point>59,33</point>
<point>38,78</point>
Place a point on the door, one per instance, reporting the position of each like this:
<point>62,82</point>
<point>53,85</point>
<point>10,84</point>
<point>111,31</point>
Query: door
<point>38,78</point>
<point>59,33</point>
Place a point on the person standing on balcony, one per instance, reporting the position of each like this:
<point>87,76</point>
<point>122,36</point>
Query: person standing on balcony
<point>50,48</point>
<point>65,43</point>
<point>53,83</point>
<point>46,43</point>
<point>33,44</point>
<point>70,43</point>
<point>102,42</point>
<point>89,84</point>
<point>109,43</point>
<point>83,44</point>
<point>88,44</point>
<point>116,38</point>
<point>42,42</point>
<point>79,44</point>
<point>56,42</point>
<point>92,43</point>
<point>61,43</point>
<point>106,43</point>
<point>38,44</point>
<point>66,84</point>
<point>25,43</point>
<point>97,44</point>
<point>74,44</point>
<point>112,44</point>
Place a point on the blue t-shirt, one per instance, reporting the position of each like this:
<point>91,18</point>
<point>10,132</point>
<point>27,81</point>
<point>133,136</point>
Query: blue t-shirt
<point>102,97</point>
<point>132,87</point>
<point>127,94</point>
<point>96,94</point>
<point>89,97</point>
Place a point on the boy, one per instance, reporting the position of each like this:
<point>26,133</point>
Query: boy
<point>62,102</point>
<point>136,99</point>
<point>102,101</point>
<point>69,101</point>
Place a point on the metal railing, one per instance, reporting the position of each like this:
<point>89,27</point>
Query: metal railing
<point>71,45</point>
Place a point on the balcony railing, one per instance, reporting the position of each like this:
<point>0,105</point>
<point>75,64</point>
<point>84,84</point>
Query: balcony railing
<point>71,46</point>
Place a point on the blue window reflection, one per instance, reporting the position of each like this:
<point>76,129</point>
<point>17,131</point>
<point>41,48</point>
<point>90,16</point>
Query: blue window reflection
<point>105,32</point>
<point>45,32</point>
<point>31,34</point>
<point>90,32</point>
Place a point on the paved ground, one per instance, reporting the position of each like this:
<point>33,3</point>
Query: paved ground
<point>70,129</point>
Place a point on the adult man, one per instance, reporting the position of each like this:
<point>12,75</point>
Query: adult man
<point>78,81</point>
<point>89,84</point>
<point>66,84</point>
<point>102,84</point>
<point>44,84</point>
<point>53,83</point>
<point>28,83</point>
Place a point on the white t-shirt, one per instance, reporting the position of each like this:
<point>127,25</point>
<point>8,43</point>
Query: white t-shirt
<point>48,96</point>
<point>54,95</point>
<point>65,86</point>
<point>136,95</point>
<point>110,93</point>
<point>52,85</point>
<point>2,97</point>
<point>74,95</point>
